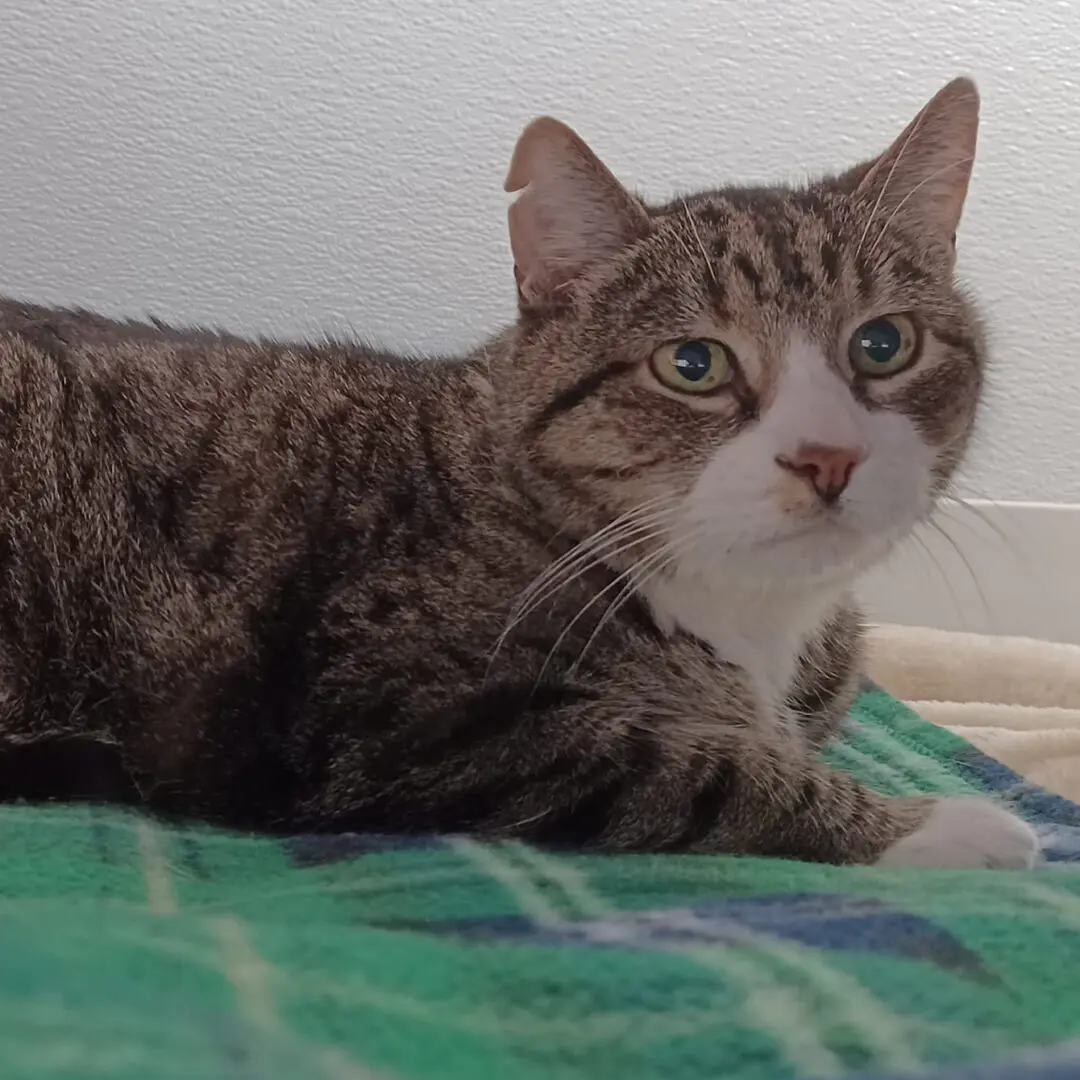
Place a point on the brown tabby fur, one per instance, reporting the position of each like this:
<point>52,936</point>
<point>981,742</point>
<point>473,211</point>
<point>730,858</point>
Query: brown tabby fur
<point>261,584</point>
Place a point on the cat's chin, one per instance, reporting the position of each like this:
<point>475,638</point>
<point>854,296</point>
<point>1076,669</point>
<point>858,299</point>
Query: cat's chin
<point>827,552</point>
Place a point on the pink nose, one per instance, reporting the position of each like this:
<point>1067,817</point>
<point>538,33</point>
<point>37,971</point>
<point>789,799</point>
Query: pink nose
<point>827,469</point>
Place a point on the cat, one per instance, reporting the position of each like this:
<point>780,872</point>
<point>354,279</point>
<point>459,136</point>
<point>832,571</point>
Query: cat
<point>589,585</point>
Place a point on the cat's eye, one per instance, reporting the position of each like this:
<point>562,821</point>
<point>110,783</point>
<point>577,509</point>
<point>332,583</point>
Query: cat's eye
<point>695,366</point>
<point>884,346</point>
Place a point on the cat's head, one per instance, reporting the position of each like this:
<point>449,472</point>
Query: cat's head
<point>773,382</point>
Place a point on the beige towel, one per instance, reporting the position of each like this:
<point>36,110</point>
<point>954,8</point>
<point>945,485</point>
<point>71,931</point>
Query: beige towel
<point>1016,699</point>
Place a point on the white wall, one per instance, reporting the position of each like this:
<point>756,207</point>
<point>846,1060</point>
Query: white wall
<point>286,165</point>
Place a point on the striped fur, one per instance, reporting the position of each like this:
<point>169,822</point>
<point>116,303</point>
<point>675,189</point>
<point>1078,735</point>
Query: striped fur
<point>288,586</point>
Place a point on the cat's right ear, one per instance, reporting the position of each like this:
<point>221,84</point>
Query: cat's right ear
<point>922,179</point>
<point>571,211</point>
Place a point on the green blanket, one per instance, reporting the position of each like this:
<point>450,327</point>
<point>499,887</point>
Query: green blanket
<point>129,949</point>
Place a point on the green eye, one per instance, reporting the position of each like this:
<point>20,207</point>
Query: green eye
<point>884,346</point>
<point>696,366</point>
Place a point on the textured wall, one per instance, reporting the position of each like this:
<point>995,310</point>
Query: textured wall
<point>289,165</point>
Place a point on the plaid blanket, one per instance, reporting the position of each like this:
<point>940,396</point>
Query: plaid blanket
<point>133,950</point>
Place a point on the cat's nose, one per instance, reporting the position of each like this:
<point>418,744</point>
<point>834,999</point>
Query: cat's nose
<point>827,469</point>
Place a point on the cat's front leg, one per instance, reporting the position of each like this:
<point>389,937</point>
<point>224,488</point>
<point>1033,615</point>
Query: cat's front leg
<point>712,773</point>
<point>955,832</point>
<point>726,787</point>
<point>661,750</point>
<point>754,797</point>
<point>739,792</point>
<point>752,789</point>
<point>701,770</point>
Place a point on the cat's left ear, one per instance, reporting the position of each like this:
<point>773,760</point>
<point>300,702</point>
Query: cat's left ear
<point>921,181</point>
<point>571,212</point>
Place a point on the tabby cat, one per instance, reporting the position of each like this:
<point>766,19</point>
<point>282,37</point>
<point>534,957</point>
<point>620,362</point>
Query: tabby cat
<point>587,586</point>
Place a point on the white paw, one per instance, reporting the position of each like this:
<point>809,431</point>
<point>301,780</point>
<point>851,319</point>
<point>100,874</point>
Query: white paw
<point>966,834</point>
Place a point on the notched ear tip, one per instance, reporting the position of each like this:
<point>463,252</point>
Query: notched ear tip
<point>538,136</point>
<point>512,183</point>
<point>570,211</point>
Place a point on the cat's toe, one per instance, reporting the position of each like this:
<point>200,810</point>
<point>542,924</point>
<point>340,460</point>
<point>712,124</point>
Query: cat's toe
<point>967,833</point>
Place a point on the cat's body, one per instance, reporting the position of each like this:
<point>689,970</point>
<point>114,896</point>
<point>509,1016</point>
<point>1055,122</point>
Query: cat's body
<point>314,587</point>
<point>273,578</point>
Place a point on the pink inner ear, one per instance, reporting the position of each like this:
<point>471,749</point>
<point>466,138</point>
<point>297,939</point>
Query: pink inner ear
<point>571,211</point>
<point>923,177</point>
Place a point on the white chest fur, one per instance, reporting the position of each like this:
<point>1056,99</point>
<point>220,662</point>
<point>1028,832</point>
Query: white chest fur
<point>760,632</point>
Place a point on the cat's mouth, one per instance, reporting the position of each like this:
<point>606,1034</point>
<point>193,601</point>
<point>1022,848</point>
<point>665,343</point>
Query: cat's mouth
<point>830,523</point>
<point>828,542</point>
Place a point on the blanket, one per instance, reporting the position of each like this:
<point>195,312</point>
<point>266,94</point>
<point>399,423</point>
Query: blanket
<point>133,950</point>
<point>1016,699</point>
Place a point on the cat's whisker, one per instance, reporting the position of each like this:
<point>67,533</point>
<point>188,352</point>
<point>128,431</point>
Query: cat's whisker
<point>646,560</point>
<point>674,552</point>
<point>632,514</point>
<point>585,555</point>
<point>595,561</point>
<point>973,530</point>
<point>631,535</point>
<point>926,552</point>
<point>979,514</point>
<point>914,190</point>
<point>697,238</point>
<point>939,528</point>
<point>610,549</point>
<point>915,128</point>
<point>943,574</point>
<point>679,239</point>
<point>635,516</point>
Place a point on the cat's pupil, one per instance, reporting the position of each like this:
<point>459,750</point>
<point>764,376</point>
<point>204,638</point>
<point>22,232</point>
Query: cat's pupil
<point>880,340</point>
<point>693,360</point>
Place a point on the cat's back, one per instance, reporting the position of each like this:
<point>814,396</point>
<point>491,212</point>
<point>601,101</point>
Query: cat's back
<point>80,342</point>
<point>180,506</point>
<point>85,382</point>
<point>180,437</point>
